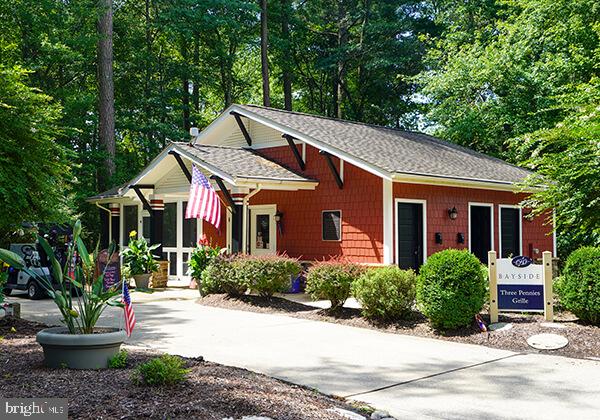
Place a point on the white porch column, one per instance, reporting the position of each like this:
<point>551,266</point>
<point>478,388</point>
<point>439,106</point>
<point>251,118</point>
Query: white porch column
<point>388,222</point>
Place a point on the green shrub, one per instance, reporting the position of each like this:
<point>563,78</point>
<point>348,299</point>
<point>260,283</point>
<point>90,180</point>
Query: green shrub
<point>118,361</point>
<point>163,370</point>
<point>201,257</point>
<point>221,277</point>
<point>451,288</point>
<point>3,279</point>
<point>266,274</point>
<point>579,285</point>
<point>332,280</point>
<point>385,293</point>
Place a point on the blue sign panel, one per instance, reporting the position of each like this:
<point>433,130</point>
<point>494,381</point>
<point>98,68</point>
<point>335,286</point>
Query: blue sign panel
<point>521,297</point>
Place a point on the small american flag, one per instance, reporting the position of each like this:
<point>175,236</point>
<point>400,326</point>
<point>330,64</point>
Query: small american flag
<point>129,315</point>
<point>203,202</point>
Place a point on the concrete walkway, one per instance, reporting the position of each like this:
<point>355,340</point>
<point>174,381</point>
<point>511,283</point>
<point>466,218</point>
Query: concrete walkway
<point>409,376</point>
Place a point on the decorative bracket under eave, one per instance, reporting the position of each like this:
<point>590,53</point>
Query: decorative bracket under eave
<point>295,151</point>
<point>184,168</point>
<point>240,123</point>
<point>334,171</point>
<point>137,188</point>
<point>225,192</point>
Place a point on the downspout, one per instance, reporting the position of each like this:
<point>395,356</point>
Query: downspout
<point>245,201</point>
<point>109,220</point>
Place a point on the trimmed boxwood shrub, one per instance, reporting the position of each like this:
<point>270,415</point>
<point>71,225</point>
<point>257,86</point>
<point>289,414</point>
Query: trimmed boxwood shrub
<point>166,370</point>
<point>220,276</point>
<point>385,293</point>
<point>579,285</point>
<point>451,288</point>
<point>332,280</point>
<point>266,274</point>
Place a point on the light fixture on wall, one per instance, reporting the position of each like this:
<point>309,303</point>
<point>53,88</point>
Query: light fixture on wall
<point>453,213</point>
<point>278,219</point>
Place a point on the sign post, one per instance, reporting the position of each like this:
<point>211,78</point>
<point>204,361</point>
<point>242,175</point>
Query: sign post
<point>519,285</point>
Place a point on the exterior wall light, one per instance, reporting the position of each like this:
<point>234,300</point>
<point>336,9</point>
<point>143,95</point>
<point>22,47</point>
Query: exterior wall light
<point>453,213</point>
<point>278,219</point>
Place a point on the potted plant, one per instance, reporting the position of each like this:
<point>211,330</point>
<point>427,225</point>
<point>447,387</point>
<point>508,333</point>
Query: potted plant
<point>139,260</point>
<point>79,344</point>
<point>200,258</point>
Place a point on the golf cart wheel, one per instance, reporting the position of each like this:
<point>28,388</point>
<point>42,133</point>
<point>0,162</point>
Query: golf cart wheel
<point>34,291</point>
<point>7,292</point>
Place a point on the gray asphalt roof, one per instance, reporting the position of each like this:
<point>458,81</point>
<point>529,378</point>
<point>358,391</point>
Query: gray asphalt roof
<point>396,151</point>
<point>241,162</point>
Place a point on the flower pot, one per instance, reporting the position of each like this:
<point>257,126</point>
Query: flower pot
<point>79,351</point>
<point>142,281</point>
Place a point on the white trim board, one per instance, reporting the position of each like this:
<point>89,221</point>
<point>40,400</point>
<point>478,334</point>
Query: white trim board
<point>414,201</point>
<point>491,206</point>
<point>509,206</point>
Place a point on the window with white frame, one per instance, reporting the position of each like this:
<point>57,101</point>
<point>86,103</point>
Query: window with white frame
<point>510,231</point>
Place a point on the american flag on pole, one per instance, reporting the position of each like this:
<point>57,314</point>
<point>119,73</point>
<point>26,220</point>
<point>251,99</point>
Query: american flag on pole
<point>129,315</point>
<point>203,202</point>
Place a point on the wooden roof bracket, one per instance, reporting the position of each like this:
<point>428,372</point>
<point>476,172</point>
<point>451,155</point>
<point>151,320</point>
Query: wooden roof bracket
<point>240,123</point>
<point>334,171</point>
<point>295,151</point>
<point>137,189</point>
<point>225,191</point>
<point>184,168</point>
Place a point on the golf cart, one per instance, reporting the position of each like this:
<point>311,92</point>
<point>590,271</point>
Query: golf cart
<point>36,259</point>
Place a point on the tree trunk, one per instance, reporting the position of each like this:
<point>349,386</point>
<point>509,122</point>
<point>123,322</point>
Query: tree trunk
<point>341,65</point>
<point>196,87</point>
<point>185,87</point>
<point>106,108</point>
<point>264,44</point>
<point>287,55</point>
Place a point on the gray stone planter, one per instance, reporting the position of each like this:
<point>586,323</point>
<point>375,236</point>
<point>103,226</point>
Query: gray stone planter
<point>79,351</point>
<point>142,281</point>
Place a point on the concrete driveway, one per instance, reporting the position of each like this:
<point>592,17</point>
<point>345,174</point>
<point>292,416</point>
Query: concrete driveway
<point>410,377</point>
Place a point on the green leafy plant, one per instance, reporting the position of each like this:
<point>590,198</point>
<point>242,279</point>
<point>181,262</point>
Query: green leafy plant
<point>579,285</point>
<point>118,361</point>
<point>451,288</point>
<point>332,280</point>
<point>3,279</point>
<point>385,293</point>
<point>266,274</point>
<point>79,315</point>
<point>201,257</point>
<point>221,277</point>
<point>165,370</point>
<point>138,256</point>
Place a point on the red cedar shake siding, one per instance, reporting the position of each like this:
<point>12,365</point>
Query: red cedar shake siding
<point>217,236</point>
<point>536,233</point>
<point>360,201</point>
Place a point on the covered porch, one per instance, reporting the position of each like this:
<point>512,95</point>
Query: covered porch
<point>153,203</point>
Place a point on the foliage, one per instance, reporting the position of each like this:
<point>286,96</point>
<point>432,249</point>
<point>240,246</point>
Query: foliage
<point>451,288</point>
<point>579,285</point>
<point>567,159</point>
<point>118,361</point>
<point>3,279</point>
<point>34,171</point>
<point>138,256</point>
<point>332,280</point>
<point>385,293</point>
<point>201,257</point>
<point>266,274</point>
<point>166,370</point>
<point>221,277</point>
<point>79,315</point>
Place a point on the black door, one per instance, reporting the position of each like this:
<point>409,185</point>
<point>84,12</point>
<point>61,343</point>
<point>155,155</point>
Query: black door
<point>510,227</point>
<point>410,235</point>
<point>481,232</point>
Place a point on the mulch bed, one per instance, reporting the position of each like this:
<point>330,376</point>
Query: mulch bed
<point>211,391</point>
<point>584,340</point>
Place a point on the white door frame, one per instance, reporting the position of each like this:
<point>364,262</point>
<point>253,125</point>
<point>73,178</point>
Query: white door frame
<point>179,249</point>
<point>509,206</point>
<point>413,201</point>
<point>270,209</point>
<point>491,206</point>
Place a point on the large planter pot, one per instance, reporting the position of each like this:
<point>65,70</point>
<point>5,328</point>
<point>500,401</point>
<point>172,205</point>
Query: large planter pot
<point>79,351</point>
<point>142,281</point>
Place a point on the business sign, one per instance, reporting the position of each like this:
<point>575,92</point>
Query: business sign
<point>520,285</point>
